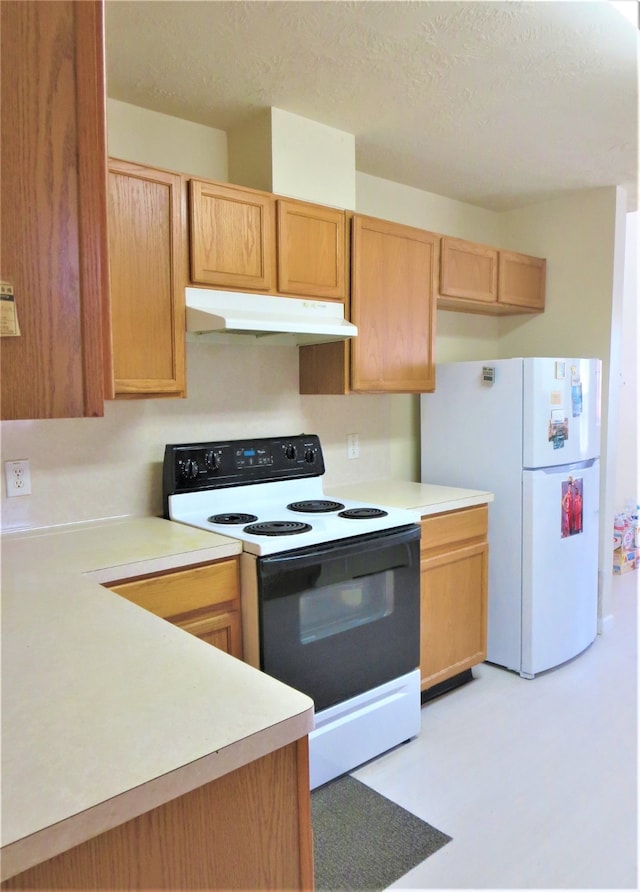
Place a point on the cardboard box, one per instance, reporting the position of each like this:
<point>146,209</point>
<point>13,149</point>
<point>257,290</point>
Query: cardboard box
<point>624,560</point>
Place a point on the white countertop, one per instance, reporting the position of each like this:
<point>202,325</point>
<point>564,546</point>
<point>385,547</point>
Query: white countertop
<point>426,498</point>
<point>107,710</point>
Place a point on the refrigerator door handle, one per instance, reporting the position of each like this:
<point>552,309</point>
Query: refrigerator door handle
<point>563,469</point>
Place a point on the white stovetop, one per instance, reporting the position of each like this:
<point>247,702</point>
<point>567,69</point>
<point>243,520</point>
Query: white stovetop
<point>268,502</point>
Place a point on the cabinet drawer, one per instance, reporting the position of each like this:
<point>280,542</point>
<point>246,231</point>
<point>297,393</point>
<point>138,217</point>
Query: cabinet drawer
<point>184,590</point>
<point>453,528</point>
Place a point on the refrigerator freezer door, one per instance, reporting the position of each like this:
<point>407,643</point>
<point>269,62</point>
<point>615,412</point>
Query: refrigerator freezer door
<point>560,564</point>
<point>561,411</point>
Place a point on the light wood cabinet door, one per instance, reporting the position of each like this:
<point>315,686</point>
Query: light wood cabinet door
<point>311,250</point>
<point>521,280</point>
<point>394,282</point>
<point>53,229</point>
<point>454,593</point>
<point>467,270</point>
<point>222,630</point>
<point>203,600</point>
<point>148,271</point>
<point>232,236</point>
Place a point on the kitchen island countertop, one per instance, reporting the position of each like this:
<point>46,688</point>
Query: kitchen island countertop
<point>109,711</point>
<point>426,498</point>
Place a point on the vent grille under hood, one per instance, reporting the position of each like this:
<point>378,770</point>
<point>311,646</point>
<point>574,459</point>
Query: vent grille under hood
<point>266,318</point>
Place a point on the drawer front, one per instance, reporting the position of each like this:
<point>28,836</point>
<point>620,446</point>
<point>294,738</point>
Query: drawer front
<point>184,590</point>
<point>453,528</point>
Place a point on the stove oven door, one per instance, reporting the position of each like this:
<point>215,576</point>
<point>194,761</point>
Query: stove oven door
<point>339,619</point>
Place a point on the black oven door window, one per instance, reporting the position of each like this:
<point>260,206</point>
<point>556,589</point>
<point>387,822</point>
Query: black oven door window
<point>340,619</point>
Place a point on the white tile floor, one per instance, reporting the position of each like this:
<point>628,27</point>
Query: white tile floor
<point>536,781</point>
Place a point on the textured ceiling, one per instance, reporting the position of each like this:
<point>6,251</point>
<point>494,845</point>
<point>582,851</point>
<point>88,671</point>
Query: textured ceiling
<point>498,104</point>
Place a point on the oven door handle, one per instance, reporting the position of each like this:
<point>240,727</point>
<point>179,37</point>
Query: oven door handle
<point>344,547</point>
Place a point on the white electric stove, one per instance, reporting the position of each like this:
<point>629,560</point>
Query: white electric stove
<point>330,589</point>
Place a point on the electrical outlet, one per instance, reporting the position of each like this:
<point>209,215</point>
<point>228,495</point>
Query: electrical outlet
<point>18,478</point>
<point>353,446</point>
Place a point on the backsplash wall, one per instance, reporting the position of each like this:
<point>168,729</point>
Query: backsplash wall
<point>84,469</point>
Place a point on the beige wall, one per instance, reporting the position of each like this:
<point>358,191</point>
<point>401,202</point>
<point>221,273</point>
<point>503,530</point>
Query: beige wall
<point>90,468</point>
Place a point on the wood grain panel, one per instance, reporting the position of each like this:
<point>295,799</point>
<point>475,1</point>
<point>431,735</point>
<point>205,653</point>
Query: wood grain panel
<point>468,270</point>
<point>148,264</point>
<point>232,236</point>
<point>247,830</point>
<point>521,280</point>
<point>182,591</point>
<point>453,528</point>
<point>221,630</point>
<point>394,270</point>
<point>453,622</point>
<point>53,218</point>
<point>311,250</point>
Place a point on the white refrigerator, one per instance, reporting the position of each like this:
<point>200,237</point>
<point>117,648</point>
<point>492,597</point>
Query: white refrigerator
<point>527,430</point>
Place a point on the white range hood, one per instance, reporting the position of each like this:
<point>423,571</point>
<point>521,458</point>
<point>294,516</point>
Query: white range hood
<point>265,318</point>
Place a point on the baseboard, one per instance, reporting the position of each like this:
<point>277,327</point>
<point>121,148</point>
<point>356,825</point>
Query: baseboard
<point>605,624</point>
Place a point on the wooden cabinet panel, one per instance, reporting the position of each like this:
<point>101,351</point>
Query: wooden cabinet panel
<point>53,207</point>
<point>521,280</point>
<point>249,829</point>
<point>394,271</point>
<point>453,622</point>
<point>232,236</point>
<point>311,250</point>
<point>148,271</point>
<point>222,630</point>
<point>478,279</point>
<point>182,591</point>
<point>468,270</point>
<point>454,573</point>
<point>451,529</point>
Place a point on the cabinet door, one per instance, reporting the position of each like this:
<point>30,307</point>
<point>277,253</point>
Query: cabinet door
<point>521,280</point>
<point>453,593</point>
<point>468,270</point>
<point>394,270</point>
<point>148,267</point>
<point>232,236</point>
<point>222,630</point>
<point>183,591</point>
<point>53,207</point>
<point>311,250</point>
<point>453,613</point>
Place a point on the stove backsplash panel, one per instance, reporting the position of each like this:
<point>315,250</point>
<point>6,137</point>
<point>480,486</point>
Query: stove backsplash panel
<point>86,469</point>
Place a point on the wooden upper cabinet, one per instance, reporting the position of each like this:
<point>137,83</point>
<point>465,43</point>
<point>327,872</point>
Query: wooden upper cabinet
<point>394,283</point>
<point>232,236</point>
<point>148,270</point>
<point>468,270</point>
<point>478,279</point>
<point>53,248</point>
<point>311,250</point>
<point>522,280</point>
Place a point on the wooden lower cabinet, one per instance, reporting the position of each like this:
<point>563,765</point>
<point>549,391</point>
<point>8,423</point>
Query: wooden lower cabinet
<point>203,600</point>
<point>454,589</point>
<point>250,829</point>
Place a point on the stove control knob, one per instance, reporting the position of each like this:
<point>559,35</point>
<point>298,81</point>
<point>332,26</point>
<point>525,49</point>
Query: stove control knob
<point>310,456</point>
<point>212,461</point>
<point>290,451</point>
<point>190,469</point>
